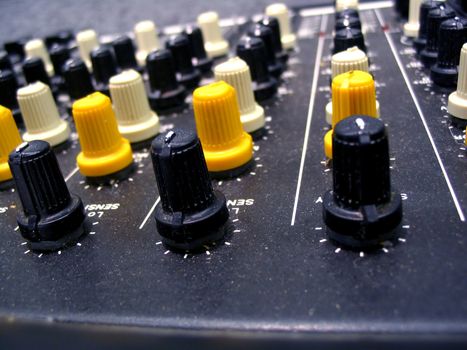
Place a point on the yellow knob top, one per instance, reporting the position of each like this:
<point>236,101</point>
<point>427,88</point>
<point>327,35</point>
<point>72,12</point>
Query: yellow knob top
<point>226,146</point>
<point>104,150</point>
<point>9,139</point>
<point>353,93</point>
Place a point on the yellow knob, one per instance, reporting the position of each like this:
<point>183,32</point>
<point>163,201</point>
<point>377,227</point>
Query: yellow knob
<point>9,139</point>
<point>103,150</point>
<point>226,146</point>
<point>352,93</point>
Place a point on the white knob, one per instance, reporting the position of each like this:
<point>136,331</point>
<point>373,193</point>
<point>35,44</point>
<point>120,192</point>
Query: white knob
<point>413,25</point>
<point>346,4</point>
<point>350,59</point>
<point>87,41</point>
<point>36,48</point>
<point>41,115</point>
<point>214,44</point>
<point>136,121</point>
<point>236,73</point>
<point>457,105</point>
<point>281,12</point>
<point>146,40</point>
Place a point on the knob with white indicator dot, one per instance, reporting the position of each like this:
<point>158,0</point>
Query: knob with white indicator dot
<point>87,41</point>
<point>190,214</point>
<point>200,57</point>
<point>146,40</point>
<point>273,24</point>
<point>214,43</point>
<point>361,211</point>
<point>41,116</point>
<point>259,31</point>
<point>52,218</point>
<point>36,48</point>
<point>281,12</point>
<point>347,38</point>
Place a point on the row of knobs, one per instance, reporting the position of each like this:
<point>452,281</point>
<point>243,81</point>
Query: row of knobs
<point>190,214</point>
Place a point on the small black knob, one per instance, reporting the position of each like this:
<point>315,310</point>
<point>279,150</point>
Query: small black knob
<point>8,87</point>
<point>253,52</point>
<point>425,8</point>
<point>273,24</point>
<point>348,22</point>
<point>361,211</point>
<point>16,47</point>
<point>125,53</point>
<point>62,37</point>
<point>429,54</point>
<point>265,34</point>
<point>77,79</point>
<point>165,93</point>
<point>402,8</point>
<point>5,62</point>
<point>347,38</point>
<point>452,35</point>
<point>52,218</point>
<point>190,214</point>
<point>59,54</point>
<point>187,75</point>
<point>103,68</point>
<point>34,70</point>
<point>201,60</point>
<point>347,13</point>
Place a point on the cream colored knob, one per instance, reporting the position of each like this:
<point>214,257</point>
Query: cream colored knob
<point>350,59</point>
<point>214,44</point>
<point>146,40</point>
<point>346,4</point>
<point>281,12</point>
<point>236,73</point>
<point>87,41</point>
<point>136,121</point>
<point>412,26</point>
<point>41,115</point>
<point>36,48</point>
<point>457,105</point>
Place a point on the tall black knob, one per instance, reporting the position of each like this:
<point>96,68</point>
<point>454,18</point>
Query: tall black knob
<point>361,211</point>
<point>77,79</point>
<point>34,70</point>
<point>429,54</point>
<point>253,52</point>
<point>259,31</point>
<point>201,60</point>
<point>348,22</point>
<point>349,12</point>
<point>16,47</point>
<point>187,75</point>
<point>273,24</point>
<point>420,42</point>
<point>402,8</point>
<point>62,37</point>
<point>8,87</point>
<point>5,62</point>
<point>52,218</point>
<point>165,93</point>
<point>347,38</point>
<point>190,214</point>
<point>125,53</point>
<point>452,35</point>
<point>103,68</point>
<point>59,54</point>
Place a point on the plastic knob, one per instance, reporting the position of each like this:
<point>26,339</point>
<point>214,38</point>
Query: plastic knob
<point>214,43</point>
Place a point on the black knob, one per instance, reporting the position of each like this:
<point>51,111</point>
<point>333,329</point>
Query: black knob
<point>62,37</point>
<point>125,53</point>
<point>16,47</point>
<point>347,13</point>
<point>52,218</point>
<point>361,211</point>
<point>187,75</point>
<point>5,62</point>
<point>8,87</point>
<point>348,22</point>
<point>425,8</point>
<point>34,70</point>
<point>165,93</point>
<point>190,214</point>
<point>201,60</point>
<point>265,34</point>
<point>77,79</point>
<point>452,35</point>
<point>59,54</point>
<point>103,68</point>
<point>347,38</point>
<point>429,54</point>
<point>273,24</point>
<point>253,52</point>
<point>402,8</point>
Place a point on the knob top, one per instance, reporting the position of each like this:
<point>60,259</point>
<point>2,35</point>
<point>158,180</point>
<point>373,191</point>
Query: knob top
<point>34,70</point>
<point>36,48</point>
<point>77,78</point>
<point>9,140</point>
<point>347,38</point>
<point>124,52</point>
<point>351,59</point>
